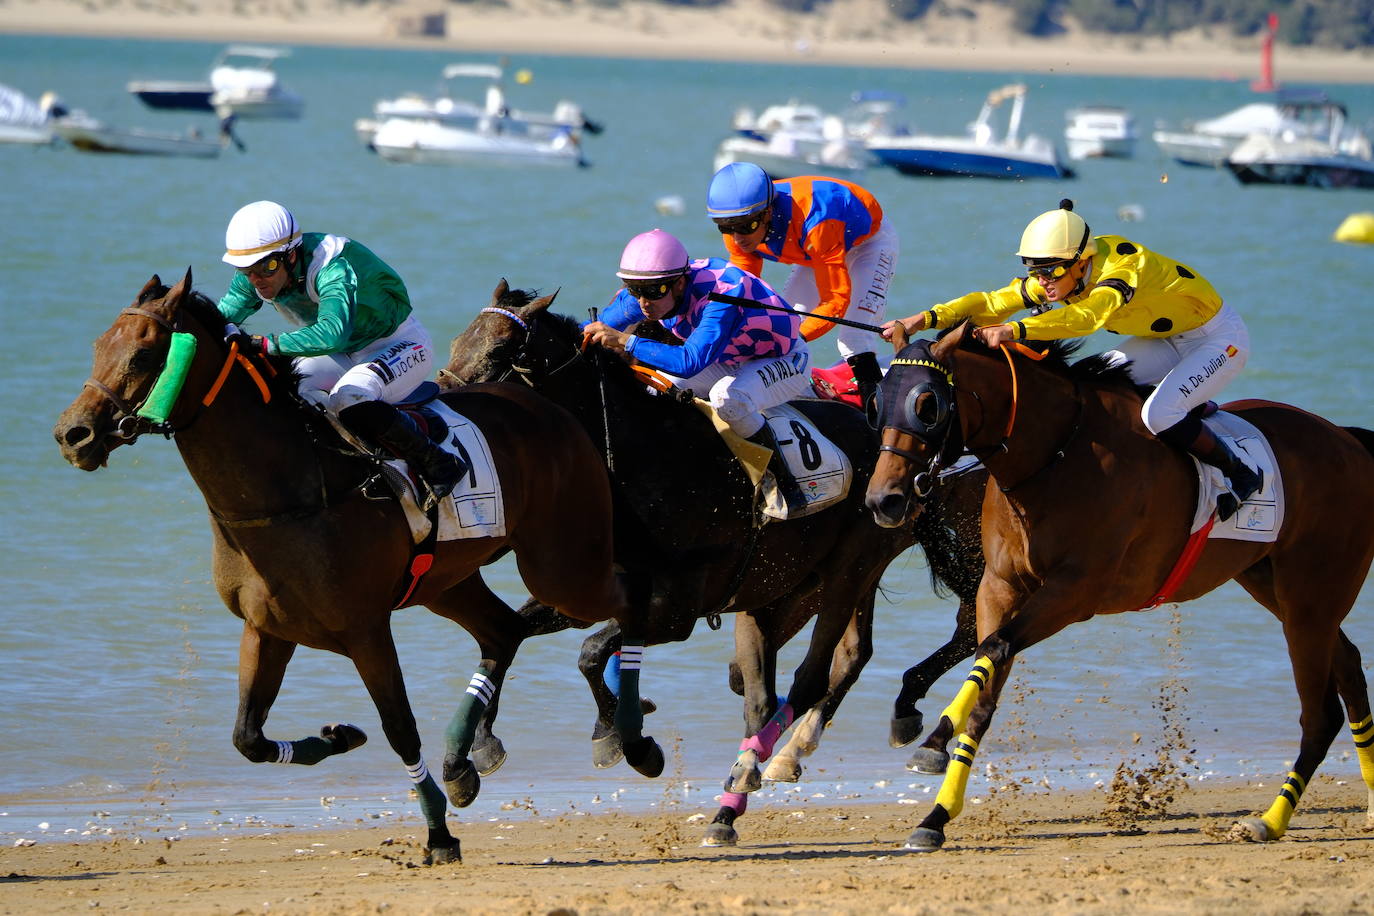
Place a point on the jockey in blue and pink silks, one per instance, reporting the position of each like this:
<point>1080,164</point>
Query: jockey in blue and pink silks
<point>739,359</point>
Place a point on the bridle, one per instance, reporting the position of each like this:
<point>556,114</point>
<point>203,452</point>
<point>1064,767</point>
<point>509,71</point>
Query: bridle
<point>525,366</point>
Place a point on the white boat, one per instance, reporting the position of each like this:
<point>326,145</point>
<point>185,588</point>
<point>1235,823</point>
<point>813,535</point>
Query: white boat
<point>90,135</point>
<point>244,84</point>
<point>793,139</point>
<point>980,152</point>
<point>1210,142</point>
<point>434,142</point>
<point>1098,131</point>
<point>1326,153</point>
<point>22,120</point>
<point>452,109</point>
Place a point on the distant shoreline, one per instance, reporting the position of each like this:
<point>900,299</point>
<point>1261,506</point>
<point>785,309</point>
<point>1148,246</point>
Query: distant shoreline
<point>746,30</point>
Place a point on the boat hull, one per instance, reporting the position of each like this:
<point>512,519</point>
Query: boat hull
<point>430,143</point>
<point>807,160</point>
<point>1195,149</point>
<point>93,139</point>
<point>176,96</point>
<point>954,163</point>
<point>1331,173</point>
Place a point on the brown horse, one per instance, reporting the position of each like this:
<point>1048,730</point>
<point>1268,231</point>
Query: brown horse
<point>1087,513</point>
<point>305,558</point>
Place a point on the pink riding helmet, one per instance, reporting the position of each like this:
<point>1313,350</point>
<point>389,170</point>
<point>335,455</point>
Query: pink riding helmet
<point>651,255</point>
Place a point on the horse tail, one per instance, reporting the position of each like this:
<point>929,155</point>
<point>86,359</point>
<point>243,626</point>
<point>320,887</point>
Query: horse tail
<point>1365,436</point>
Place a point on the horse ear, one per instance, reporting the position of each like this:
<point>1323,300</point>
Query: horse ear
<point>952,340</point>
<point>183,286</point>
<point>500,292</point>
<point>543,302</point>
<point>148,289</point>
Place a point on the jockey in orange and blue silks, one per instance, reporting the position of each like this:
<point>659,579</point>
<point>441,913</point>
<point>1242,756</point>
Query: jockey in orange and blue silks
<point>740,358</point>
<point>833,232</point>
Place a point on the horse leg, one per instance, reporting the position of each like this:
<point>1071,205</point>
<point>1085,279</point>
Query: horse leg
<point>599,663</point>
<point>907,721</point>
<point>499,632</point>
<point>262,665</point>
<point>374,655</point>
<point>1355,693</point>
<point>1311,648</point>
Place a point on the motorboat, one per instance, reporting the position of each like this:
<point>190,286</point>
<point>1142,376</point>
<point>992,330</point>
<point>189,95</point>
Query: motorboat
<point>174,95</point>
<point>793,139</point>
<point>978,153</point>
<point>1099,131</point>
<point>90,135</point>
<point>245,85</point>
<point>1209,142</point>
<point>418,140</point>
<point>22,120</point>
<point>452,109</point>
<point>1326,152</point>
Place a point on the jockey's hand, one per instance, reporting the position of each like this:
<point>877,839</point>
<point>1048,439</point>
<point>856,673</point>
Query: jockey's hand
<point>911,325</point>
<point>994,335</point>
<point>605,335</point>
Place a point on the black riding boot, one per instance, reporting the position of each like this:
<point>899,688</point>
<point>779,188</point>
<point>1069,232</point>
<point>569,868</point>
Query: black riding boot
<point>787,484</point>
<point>869,377</point>
<point>382,423</point>
<point>1245,482</point>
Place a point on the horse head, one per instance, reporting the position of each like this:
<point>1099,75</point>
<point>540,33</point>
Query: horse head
<point>166,342</point>
<point>504,341</point>
<point>920,427</point>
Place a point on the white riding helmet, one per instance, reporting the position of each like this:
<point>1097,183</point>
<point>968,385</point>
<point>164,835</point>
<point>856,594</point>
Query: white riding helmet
<point>1057,235</point>
<point>258,230</point>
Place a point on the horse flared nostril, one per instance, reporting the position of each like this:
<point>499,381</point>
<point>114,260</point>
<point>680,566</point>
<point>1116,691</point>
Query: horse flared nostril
<point>888,509</point>
<point>72,436</point>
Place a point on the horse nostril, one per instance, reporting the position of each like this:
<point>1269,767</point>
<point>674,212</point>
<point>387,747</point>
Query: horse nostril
<point>74,436</point>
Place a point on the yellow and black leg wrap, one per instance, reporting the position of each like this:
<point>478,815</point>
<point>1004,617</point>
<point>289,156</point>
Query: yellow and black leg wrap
<point>1363,733</point>
<point>1281,811</point>
<point>958,711</point>
<point>952,790</point>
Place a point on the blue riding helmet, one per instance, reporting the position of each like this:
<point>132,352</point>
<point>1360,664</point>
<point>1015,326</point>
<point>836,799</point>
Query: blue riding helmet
<point>739,189</point>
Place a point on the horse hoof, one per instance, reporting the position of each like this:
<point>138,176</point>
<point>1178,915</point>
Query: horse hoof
<point>720,835</point>
<point>923,839</point>
<point>647,706</point>
<point>444,855</point>
<point>489,757</point>
<point>783,769</point>
<point>463,785</point>
<point>906,729</point>
<point>928,761</point>
<point>743,778</point>
<point>1250,830</point>
<point>646,757</point>
<point>344,737</point>
<point>607,751</point>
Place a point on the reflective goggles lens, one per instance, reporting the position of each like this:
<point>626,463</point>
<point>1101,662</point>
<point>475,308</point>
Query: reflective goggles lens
<point>264,268</point>
<point>650,290</point>
<point>739,225</point>
<point>1051,271</point>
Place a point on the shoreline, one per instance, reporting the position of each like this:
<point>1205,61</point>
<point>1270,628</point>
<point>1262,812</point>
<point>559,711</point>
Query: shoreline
<point>746,30</point>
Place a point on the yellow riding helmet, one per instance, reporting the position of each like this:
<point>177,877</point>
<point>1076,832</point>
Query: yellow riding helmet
<point>1057,235</point>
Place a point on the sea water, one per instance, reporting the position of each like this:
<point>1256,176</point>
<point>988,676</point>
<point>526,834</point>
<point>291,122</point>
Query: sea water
<point>118,661</point>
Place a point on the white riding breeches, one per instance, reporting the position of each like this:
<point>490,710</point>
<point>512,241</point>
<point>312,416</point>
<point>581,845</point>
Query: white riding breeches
<point>870,266</point>
<point>387,369</point>
<point>1189,368</point>
<point>740,393</point>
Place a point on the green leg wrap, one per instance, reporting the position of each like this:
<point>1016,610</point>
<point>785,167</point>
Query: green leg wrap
<point>629,715</point>
<point>307,751</point>
<point>463,726</point>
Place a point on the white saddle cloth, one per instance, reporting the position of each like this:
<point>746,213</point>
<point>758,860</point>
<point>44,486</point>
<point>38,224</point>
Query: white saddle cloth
<point>1261,516</point>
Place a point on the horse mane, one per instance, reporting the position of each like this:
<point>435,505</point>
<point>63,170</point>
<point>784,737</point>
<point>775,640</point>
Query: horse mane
<point>1058,358</point>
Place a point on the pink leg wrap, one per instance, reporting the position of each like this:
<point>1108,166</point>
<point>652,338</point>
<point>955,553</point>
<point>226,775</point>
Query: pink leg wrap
<point>735,800</point>
<point>763,742</point>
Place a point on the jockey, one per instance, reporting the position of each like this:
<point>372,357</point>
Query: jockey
<point>833,232</point>
<point>357,346</point>
<point>738,358</point>
<point>1180,336</point>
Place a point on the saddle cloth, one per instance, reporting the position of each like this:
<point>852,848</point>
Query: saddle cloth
<point>475,508</point>
<point>821,469</point>
<point>1261,517</point>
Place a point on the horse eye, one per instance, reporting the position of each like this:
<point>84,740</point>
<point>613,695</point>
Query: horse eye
<point>927,409</point>
<point>144,359</point>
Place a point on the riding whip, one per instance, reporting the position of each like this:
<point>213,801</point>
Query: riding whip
<point>750,303</point>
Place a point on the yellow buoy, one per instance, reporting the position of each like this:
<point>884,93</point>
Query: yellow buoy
<point>523,76</point>
<point>1357,228</point>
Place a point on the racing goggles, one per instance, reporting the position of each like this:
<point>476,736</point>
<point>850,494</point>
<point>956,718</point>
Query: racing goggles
<point>650,290</point>
<point>266,267</point>
<point>1051,270</point>
<point>739,225</point>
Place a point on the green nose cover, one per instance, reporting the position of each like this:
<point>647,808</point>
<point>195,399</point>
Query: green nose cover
<point>167,389</point>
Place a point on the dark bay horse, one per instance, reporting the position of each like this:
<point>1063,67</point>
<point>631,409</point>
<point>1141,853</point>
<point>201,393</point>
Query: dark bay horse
<point>304,558</point>
<point>687,537</point>
<point>1087,514</point>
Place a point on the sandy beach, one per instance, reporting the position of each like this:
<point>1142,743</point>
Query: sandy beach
<point>849,32</point>
<point>1058,852</point>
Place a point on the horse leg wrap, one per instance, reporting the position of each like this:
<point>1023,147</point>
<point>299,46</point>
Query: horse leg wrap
<point>735,801</point>
<point>476,699</point>
<point>1281,811</point>
<point>762,743</point>
<point>955,784</point>
<point>629,716</point>
<point>307,751</point>
<point>1363,732</point>
<point>432,803</point>
<point>958,711</point>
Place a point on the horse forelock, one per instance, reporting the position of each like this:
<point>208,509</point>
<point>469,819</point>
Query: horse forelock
<point>516,298</point>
